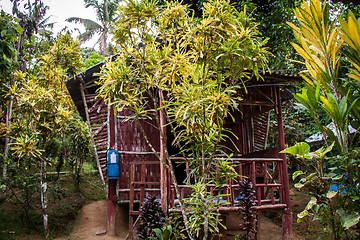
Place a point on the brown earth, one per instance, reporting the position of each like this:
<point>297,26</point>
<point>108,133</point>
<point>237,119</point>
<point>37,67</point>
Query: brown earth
<point>91,223</point>
<point>92,220</point>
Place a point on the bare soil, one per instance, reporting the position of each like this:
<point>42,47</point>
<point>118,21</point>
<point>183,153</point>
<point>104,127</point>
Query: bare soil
<point>92,220</point>
<point>91,223</point>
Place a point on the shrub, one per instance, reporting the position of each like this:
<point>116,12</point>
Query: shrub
<point>151,217</point>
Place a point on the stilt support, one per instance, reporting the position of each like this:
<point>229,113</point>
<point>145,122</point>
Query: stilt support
<point>287,224</point>
<point>111,208</point>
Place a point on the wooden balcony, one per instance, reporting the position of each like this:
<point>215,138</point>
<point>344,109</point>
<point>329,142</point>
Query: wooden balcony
<point>266,174</point>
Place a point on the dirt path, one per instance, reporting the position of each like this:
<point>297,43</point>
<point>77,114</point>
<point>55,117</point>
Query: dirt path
<point>92,219</point>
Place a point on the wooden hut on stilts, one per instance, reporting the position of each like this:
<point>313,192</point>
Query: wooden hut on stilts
<point>141,172</point>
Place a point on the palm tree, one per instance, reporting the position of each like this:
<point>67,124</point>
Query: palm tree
<point>105,14</point>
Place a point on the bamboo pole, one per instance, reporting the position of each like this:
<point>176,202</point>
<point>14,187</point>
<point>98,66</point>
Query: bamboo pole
<point>92,139</point>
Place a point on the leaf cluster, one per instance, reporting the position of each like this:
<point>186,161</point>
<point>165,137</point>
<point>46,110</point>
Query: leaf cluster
<point>151,217</point>
<point>189,71</point>
<point>9,29</point>
<point>246,203</point>
<point>203,207</point>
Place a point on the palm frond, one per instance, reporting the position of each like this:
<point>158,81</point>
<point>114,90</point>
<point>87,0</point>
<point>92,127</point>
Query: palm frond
<point>85,36</point>
<point>91,3</point>
<point>89,25</point>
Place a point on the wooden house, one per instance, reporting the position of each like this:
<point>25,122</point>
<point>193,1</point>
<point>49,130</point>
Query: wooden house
<point>141,173</point>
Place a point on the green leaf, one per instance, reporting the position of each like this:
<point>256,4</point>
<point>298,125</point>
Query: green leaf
<point>303,214</point>
<point>311,203</point>
<point>158,233</point>
<point>328,149</point>
<point>316,208</point>
<point>331,175</point>
<point>337,177</point>
<point>167,232</point>
<point>348,219</point>
<point>310,177</point>
<point>300,149</point>
<point>299,220</point>
<point>296,174</point>
<point>331,194</point>
<point>299,185</point>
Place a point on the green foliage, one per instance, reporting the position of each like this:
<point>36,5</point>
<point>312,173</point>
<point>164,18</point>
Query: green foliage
<point>203,208</point>
<point>225,172</point>
<point>320,44</point>
<point>188,70</point>
<point>35,37</point>
<point>272,17</point>
<point>164,233</point>
<point>92,60</point>
<point>300,149</point>
<point>350,30</point>
<point>336,210</point>
<point>65,52</point>
<point>324,204</point>
<point>23,185</point>
<point>77,147</point>
<point>348,220</point>
<point>42,107</point>
<point>12,226</point>
<point>42,112</point>
<point>9,29</point>
<point>176,221</point>
<point>298,125</point>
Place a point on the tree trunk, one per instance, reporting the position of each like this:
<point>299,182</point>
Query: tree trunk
<point>43,193</point>
<point>7,140</point>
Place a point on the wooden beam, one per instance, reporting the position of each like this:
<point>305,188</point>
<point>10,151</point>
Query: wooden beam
<point>235,209</point>
<point>255,103</point>
<point>137,153</point>
<point>239,159</point>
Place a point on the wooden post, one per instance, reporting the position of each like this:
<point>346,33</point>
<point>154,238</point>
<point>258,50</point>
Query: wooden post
<point>287,217</point>
<point>223,230</point>
<point>112,198</point>
<point>131,205</point>
<point>163,170</point>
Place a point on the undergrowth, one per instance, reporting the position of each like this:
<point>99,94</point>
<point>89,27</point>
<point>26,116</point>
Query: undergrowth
<point>64,205</point>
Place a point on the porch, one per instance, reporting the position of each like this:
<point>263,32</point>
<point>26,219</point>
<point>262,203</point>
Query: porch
<point>266,175</point>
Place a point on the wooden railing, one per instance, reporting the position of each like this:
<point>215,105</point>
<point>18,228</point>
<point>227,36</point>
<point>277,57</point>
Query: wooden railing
<point>266,174</point>
<point>142,182</point>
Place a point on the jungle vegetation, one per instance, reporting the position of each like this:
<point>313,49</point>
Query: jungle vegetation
<point>41,130</point>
